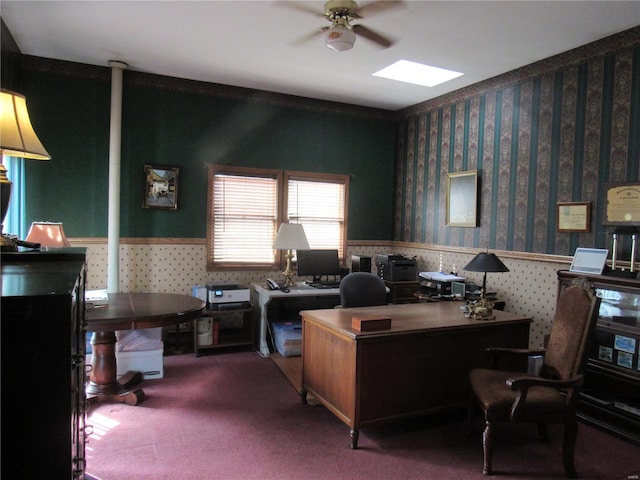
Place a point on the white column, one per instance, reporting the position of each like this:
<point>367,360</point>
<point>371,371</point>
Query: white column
<point>115,136</point>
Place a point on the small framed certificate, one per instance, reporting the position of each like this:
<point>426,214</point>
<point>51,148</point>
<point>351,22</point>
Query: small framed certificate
<point>574,216</point>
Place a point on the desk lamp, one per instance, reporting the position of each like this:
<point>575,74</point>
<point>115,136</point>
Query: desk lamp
<point>290,236</point>
<point>17,139</point>
<point>484,262</point>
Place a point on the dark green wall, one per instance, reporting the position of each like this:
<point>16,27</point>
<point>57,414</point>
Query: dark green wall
<point>9,59</point>
<point>185,124</point>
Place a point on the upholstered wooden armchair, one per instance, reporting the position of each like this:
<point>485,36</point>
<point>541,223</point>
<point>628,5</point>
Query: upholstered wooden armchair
<point>552,396</point>
<point>362,289</point>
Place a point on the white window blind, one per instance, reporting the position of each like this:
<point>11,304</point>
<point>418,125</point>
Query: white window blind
<point>244,213</point>
<point>320,207</point>
<point>244,219</point>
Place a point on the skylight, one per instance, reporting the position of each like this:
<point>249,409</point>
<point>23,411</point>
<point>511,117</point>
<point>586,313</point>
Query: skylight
<point>417,73</point>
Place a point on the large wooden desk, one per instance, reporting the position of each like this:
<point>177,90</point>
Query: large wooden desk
<point>419,366</point>
<point>129,311</point>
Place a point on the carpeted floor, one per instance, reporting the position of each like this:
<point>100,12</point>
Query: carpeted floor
<point>235,416</point>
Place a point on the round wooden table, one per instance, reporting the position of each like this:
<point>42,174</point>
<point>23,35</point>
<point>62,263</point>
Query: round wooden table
<point>129,311</point>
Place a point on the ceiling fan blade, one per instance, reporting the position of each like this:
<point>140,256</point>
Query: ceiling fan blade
<point>310,36</point>
<point>300,6</point>
<point>375,7</point>
<point>375,37</point>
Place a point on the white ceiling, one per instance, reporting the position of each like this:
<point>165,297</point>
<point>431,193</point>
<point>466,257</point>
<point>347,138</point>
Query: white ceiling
<point>252,43</point>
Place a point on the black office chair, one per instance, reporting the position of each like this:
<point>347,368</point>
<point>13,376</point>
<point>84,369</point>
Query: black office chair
<point>362,289</point>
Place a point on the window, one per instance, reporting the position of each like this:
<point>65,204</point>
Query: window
<point>318,203</point>
<point>246,206</point>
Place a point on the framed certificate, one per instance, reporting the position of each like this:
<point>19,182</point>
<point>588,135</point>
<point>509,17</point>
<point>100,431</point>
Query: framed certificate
<point>623,204</point>
<point>574,216</point>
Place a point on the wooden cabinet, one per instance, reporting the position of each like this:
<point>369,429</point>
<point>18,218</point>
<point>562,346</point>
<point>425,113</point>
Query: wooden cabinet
<point>43,364</point>
<point>611,395</point>
<point>402,292</point>
<point>224,328</point>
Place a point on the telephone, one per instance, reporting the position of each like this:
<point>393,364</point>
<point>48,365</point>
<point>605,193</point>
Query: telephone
<point>273,285</point>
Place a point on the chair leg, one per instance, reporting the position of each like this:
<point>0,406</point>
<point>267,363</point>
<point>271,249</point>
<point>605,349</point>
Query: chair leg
<point>487,445</point>
<point>543,432</point>
<point>568,447</point>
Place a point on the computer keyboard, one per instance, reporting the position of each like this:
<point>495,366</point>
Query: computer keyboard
<point>325,285</point>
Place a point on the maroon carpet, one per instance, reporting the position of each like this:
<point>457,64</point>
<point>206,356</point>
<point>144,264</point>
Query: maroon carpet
<point>236,416</point>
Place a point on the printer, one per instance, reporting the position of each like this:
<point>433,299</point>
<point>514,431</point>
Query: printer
<point>439,283</point>
<point>227,295</point>
<point>396,268</point>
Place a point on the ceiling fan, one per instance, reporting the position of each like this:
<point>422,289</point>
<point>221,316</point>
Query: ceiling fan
<point>341,35</point>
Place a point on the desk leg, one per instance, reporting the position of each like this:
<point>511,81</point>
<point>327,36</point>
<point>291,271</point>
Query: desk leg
<point>103,384</point>
<point>354,435</point>
<point>262,340</point>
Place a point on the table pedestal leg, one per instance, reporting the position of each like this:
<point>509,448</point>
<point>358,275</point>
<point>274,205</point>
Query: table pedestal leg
<point>103,384</point>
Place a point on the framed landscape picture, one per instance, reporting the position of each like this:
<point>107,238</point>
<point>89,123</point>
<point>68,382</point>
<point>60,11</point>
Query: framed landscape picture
<point>160,187</point>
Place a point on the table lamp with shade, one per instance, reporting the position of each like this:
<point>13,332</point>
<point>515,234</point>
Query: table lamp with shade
<point>290,237</point>
<point>47,234</point>
<point>17,139</point>
<point>484,262</point>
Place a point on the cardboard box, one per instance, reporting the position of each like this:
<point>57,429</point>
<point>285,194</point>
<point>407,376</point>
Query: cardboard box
<point>149,362</point>
<point>369,323</point>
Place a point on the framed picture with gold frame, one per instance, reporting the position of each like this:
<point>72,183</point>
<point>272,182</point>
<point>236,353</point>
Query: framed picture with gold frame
<point>462,199</point>
<point>622,204</point>
<point>160,187</point>
<point>574,216</point>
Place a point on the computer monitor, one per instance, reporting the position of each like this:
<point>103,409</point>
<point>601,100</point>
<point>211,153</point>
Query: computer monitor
<point>318,263</point>
<point>458,289</point>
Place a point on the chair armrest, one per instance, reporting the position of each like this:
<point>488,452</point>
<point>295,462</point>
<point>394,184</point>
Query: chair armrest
<point>523,384</point>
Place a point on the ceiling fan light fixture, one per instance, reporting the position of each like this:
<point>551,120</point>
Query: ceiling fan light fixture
<point>340,38</point>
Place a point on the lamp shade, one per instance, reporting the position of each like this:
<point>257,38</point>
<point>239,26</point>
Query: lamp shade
<point>291,236</point>
<point>340,38</point>
<point>17,137</point>
<point>47,234</point>
<point>486,262</point>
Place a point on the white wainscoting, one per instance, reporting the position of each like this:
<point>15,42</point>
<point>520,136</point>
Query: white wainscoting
<point>529,288</point>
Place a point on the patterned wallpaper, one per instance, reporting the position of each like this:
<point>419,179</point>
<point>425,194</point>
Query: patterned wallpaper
<point>555,131</point>
<point>176,268</point>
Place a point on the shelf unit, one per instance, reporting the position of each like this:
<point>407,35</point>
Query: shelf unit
<point>229,328</point>
<point>610,399</point>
